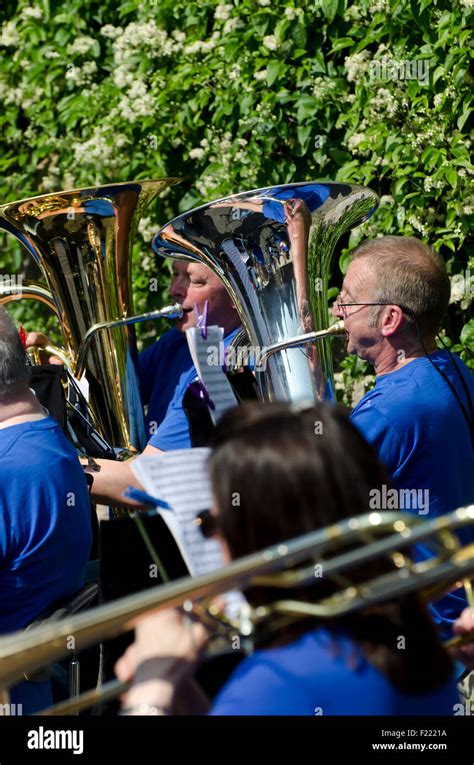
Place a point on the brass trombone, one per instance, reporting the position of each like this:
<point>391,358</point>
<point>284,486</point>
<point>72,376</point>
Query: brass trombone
<point>382,535</point>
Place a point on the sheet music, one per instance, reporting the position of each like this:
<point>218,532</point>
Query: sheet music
<point>203,351</point>
<point>180,479</point>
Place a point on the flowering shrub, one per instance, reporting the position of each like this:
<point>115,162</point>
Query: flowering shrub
<point>238,95</point>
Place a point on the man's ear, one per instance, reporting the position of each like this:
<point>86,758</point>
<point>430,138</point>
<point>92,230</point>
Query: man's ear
<point>392,320</point>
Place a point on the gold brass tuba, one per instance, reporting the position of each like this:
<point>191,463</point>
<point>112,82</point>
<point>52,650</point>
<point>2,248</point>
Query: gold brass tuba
<point>82,241</point>
<point>272,248</point>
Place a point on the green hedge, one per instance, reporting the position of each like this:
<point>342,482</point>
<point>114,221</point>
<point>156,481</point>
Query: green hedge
<point>237,95</point>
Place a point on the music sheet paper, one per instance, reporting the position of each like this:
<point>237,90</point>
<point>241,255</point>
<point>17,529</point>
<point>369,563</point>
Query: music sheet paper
<point>205,352</point>
<point>180,479</point>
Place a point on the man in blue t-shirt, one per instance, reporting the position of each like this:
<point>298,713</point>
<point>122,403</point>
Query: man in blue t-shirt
<point>419,416</point>
<point>166,370</point>
<point>45,522</point>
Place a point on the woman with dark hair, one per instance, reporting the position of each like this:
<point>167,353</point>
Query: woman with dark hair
<point>276,474</point>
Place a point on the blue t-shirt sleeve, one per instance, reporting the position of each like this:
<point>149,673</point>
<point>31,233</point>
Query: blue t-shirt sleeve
<point>380,433</point>
<point>173,432</point>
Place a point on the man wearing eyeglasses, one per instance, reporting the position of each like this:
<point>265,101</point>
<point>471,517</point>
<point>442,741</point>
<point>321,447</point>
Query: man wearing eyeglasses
<point>419,415</point>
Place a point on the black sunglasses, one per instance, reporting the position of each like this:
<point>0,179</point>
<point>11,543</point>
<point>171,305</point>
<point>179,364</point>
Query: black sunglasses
<point>208,524</point>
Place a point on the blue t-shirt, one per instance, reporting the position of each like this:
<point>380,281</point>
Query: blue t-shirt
<point>45,531</point>
<point>173,430</point>
<point>45,521</point>
<point>418,430</point>
<point>309,677</point>
<point>160,368</point>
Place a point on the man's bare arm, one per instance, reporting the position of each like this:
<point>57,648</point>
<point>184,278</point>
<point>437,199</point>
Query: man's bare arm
<point>113,478</point>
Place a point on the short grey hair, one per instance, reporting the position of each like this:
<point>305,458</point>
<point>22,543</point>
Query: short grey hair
<point>13,360</point>
<point>411,274</point>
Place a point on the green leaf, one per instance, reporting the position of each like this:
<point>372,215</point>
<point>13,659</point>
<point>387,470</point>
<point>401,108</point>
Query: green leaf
<point>273,71</point>
<point>467,333</point>
<point>319,63</point>
<point>299,35</point>
<point>339,156</point>
<point>342,42</point>
<point>462,119</point>
<point>330,8</point>
<point>307,107</point>
<point>304,132</point>
<point>420,15</point>
<point>451,176</point>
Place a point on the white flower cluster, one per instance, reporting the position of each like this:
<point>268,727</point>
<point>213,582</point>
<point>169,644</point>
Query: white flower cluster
<point>387,199</point>
<point>225,152</point>
<point>426,137</point>
<point>136,36</point>
<point>353,13</point>
<point>178,36</point>
<point>383,103</point>
<point>81,75</point>
<point>32,12</point>
<point>430,183</point>
<point>101,149</point>
<point>234,73</point>
<point>123,76</point>
<point>260,75</point>
<point>378,5</point>
<point>110,31</point>
<point>203,46</point>
<point>353,389</point>
<point>80,46</point>
<point>147,230</point>
<point>138,102</point>
<point>418,225</point>
<point>222,12</point>
<point>323,86</point>
<point>19,95</point>
<point>355,140</point>
<point>293,13</point>
<point>197,153</point>
<point>50,54</point>
<point>467,3</point>
<point>360,388</point>
<point>55,179</point>
<point>270,42</point>
<point>356,65</point>
<point>9,36</point>
<point>462,289</point>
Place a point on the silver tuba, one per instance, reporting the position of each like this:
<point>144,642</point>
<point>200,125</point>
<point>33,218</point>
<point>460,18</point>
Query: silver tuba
<point>82,240</point>
<point>272,248</point>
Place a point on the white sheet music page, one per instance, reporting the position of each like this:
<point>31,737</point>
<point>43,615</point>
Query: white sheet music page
<point>208,357</point>
<point>180,479</point>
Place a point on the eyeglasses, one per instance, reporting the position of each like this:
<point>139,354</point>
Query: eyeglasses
<point>406,310</point>
<point>208,524</point>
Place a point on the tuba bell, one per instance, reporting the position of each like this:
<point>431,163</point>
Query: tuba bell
<point>272,248</point>
<point>82,241</point>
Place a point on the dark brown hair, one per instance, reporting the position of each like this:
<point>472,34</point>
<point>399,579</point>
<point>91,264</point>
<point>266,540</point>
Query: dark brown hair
<point>278,473</point>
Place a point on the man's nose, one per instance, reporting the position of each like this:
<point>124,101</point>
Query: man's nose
<point>177,289</point>
<point>336,310</point>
